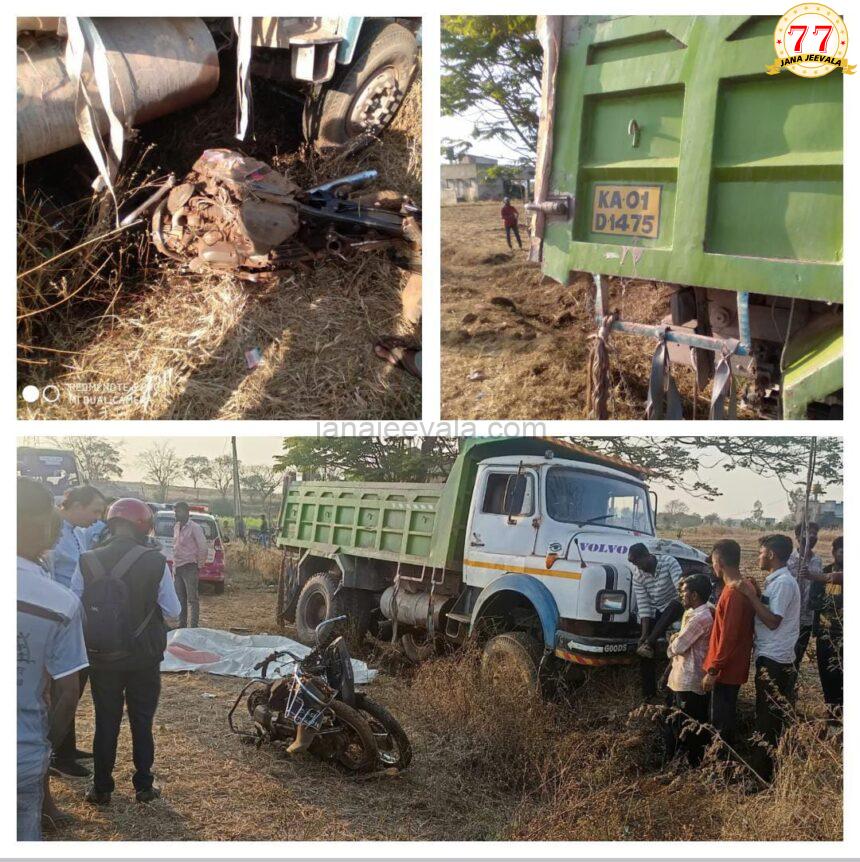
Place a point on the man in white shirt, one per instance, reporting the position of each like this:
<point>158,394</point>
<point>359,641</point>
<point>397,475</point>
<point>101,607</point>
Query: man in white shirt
<point>50,647</point>
<point>806,567</point>
<point>777,625</point>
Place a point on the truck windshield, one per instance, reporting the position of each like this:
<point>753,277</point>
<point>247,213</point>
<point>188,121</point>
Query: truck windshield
<point>55,468</point>
<point>578,496</point>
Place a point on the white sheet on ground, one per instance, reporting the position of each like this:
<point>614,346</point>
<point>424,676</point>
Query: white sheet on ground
<point>228,654</point>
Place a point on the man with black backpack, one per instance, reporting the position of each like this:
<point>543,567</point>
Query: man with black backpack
<point>127,590</point>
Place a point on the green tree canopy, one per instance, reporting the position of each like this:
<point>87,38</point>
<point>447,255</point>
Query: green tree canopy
<point>98,456</point>
<point>491,68</point>
<point>373,459</point>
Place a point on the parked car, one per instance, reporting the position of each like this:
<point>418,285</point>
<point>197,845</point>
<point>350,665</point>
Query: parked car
<point>214,572</point>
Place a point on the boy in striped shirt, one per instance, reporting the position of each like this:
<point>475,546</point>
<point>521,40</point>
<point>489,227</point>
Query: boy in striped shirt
<point>656,581</point>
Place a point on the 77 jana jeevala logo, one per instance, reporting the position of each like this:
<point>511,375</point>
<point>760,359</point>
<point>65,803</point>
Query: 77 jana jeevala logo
<point>811,41</point>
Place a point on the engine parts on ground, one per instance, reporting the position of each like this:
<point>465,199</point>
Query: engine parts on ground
<point>234,213</point>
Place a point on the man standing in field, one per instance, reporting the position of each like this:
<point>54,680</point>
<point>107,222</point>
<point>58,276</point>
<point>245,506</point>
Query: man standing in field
<point>51,653</point>
<point>190,552</point>
<point>777,626</point>
<point>127,591</point>
<point>656,580</point>
<point>727,662</point>
<point>825,596</point>
<point>511,218</point>
<point>806,568</point>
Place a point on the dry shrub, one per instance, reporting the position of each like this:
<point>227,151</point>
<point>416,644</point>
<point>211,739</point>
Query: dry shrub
<point>589,767</point>
<point>251,565</point>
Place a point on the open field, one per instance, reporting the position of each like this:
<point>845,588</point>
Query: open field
<point>145,341</point>
<point>530,338</point>
<point>487,765</point>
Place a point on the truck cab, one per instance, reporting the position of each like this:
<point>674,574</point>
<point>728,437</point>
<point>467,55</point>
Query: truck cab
<point>546,552</point>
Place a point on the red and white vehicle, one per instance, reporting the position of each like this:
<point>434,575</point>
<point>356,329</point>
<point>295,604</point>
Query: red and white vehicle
<point>215,570</point>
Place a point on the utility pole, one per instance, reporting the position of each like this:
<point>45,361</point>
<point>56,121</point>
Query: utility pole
<point>238,521</point>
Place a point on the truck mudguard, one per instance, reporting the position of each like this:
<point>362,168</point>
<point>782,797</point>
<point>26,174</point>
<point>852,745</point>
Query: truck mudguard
<point>531,589</point>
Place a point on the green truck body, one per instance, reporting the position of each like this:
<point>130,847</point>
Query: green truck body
<point>680,159</point>
<point>532,532</point>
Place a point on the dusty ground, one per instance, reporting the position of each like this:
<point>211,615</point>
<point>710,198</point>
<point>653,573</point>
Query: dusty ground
<point>142,341</point>
<point>527,337</point>
<point>486,766</point>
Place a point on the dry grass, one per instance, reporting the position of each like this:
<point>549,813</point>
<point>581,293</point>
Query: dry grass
<point>159,345</point>
<point>489,764</point>
<point>533,351</point>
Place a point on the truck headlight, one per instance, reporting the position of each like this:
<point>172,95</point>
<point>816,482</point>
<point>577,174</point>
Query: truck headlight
<point>611,602</point>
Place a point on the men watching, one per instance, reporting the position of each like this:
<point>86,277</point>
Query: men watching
<point>656,579</point>
<point>806,567</point>
<point>190,552</point>
<point>131,579</point>
<point>777,627</point>
<point>825,597</point>
<point>50,647</point>
<point>81,509</point>
<point>727,661</point>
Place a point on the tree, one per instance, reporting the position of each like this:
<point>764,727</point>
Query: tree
<point>197,468</point>
<point>676,461</point>
<point>162,466</point>
<point>453,148</point>
<point>98,457</point>
<point>491,68</point>
<point>262,481</point>
<point>374,459</point>
<point>711,519</point>
<point>221,474</point>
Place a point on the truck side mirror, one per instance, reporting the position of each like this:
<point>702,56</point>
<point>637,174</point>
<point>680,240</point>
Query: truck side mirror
<point>515,494</point>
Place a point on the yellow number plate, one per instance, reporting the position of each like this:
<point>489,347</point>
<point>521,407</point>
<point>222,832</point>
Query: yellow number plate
<point>626,210</point>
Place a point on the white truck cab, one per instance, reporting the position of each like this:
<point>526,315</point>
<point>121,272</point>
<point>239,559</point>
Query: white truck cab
<point>556,532</point>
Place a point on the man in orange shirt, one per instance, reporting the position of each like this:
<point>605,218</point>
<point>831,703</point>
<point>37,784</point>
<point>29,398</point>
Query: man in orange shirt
<point>727,662</point>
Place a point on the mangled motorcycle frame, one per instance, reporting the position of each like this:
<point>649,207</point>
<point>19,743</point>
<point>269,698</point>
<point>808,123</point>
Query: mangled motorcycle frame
<point>235,214</point>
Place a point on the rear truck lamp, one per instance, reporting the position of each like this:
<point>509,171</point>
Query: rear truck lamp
<point>611,602</point>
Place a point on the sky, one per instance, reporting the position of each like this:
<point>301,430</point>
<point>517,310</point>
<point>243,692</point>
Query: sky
<point>741,488</point>
<point>460,129</point>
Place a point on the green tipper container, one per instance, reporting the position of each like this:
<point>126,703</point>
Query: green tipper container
<point>728,177</point>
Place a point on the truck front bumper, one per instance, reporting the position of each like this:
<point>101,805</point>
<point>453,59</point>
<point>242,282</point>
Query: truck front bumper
<point>597,651</point>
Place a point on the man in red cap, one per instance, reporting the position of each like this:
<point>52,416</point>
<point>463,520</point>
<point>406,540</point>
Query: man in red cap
<point>127,590</point>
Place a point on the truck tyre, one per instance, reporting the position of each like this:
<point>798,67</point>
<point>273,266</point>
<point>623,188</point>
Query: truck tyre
<point>366,95</point>
<point>321,599</point>
<point>316,603</point>
<point>512,657</point>
<point>394,746</point>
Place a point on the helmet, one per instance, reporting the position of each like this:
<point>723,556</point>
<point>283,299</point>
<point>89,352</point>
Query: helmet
<point>136,512</point>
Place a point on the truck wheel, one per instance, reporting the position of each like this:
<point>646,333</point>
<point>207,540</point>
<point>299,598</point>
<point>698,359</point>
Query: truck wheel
<point>513,657</point>
<point>316,603</point>
<point>366,95</point>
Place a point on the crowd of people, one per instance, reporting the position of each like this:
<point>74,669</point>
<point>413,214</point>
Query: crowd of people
<point>95,597</point>
<point>728,628</point>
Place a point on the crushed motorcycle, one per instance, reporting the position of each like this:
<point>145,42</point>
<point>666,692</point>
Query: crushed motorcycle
<point>233,213</point>
<point>315,708</point>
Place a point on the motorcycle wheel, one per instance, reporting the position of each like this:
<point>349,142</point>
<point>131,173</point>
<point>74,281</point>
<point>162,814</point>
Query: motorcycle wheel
<point>356,747</point>
<point>393,744</point>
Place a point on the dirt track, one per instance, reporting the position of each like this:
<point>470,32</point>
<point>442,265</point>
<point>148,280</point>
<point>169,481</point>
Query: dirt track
<point>527,338</point>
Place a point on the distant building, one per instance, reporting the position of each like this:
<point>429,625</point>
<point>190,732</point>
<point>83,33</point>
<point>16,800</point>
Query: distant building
<point>467,178</point>
<point>826,513</point>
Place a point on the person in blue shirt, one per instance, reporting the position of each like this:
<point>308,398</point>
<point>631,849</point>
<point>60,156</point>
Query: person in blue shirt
<point>50,648</point>
<point>81,509</point>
